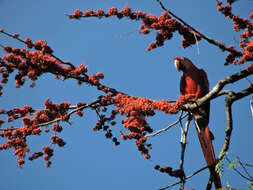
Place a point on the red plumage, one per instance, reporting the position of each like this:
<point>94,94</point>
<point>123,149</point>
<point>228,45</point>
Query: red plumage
<point>194,82</point>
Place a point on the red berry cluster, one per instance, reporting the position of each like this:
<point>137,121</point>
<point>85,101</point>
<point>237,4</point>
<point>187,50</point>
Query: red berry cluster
<point>165,26</point>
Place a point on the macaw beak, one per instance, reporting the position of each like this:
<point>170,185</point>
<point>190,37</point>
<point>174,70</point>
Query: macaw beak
<point>177,65</point>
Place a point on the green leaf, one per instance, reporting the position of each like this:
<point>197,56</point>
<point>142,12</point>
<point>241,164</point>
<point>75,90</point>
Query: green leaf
<point>251,185</point>
<point>231,165</point>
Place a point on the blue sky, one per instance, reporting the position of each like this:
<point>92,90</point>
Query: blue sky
<point>114,47</point>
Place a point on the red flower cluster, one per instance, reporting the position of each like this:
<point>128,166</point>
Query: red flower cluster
<point>16,138</point>
<point>48,153</point>
<point>239,24</point>
<point>136,110</point>
<point>21,153</point>
<point>164,25</point>
<point>225,10</point>
<point>36,155</point>
<point>57,140</point>
<point>247,53</point>
<point>95,78</point>
<point>105,122</point>
<point>57,128</point>
<point>166,107</point>
<point>179,173</point>
<point>17,113</point>
<point>33,64</point>
<point>30,64</point>
<point>43,47</point>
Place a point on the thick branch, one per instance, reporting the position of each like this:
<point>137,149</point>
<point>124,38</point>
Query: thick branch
<point>215,92</point>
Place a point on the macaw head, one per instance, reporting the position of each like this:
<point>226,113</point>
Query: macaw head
<point>183,64</point>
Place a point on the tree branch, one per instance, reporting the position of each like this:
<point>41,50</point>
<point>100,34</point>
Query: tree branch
<point>229,101</point>
<point>216,91</point>
<point>75,109</point>
<point>238,172</point>
<point>189,176</point>
<point>195,32</point>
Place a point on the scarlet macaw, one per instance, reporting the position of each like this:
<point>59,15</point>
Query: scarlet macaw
<point>194,82</point>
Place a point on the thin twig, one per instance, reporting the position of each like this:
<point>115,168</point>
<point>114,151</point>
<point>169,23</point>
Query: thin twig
<point>245,170</point>
<point>237,171</point>
<point>246,164</point>
<point>197,43</point>
<point>166,128</point>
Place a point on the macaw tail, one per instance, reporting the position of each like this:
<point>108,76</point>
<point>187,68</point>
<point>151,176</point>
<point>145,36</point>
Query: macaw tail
<point>207,148</point>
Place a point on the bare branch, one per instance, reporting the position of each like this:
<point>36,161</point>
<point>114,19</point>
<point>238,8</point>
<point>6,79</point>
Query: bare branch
<point>246,164</point>
<point>166,128</point>
<point>245,170</point>
<point>237,171</point>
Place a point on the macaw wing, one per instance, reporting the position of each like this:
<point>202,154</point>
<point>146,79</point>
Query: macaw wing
<point>204,88</point>
<point>204,84</point>
<point>182,84</point>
